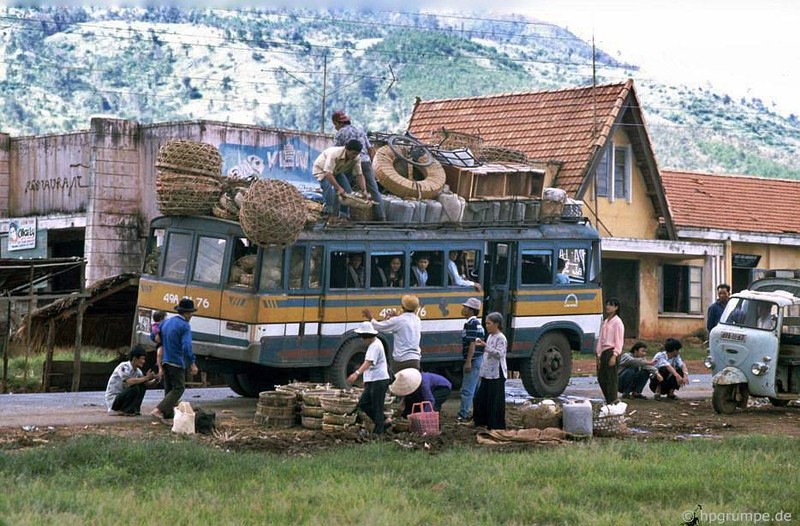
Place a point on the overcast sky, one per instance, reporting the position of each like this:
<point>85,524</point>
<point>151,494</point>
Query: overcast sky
<point>742,48</point>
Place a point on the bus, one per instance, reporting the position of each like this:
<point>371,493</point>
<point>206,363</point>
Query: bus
<point>268,315</point>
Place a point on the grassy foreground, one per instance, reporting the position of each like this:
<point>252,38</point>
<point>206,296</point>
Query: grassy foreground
<point>105,480</point>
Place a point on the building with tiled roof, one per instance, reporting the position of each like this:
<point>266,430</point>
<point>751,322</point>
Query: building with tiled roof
<point>597,138</point>
<point>752,216</point>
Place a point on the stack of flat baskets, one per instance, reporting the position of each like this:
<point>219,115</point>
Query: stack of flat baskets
<point>276,409</point>
<point>311,412</point>
<point>338,411</point>
<point>188,180</point>
<point>272,212</point>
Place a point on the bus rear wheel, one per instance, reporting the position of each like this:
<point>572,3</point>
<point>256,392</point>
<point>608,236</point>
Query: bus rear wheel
<point>348,359</point>
<point>249,384</point>
<point>548,369</point>
<point>233,382</point>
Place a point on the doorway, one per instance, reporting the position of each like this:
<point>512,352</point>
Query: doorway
<point>620,280</point>
<point>66,243</point>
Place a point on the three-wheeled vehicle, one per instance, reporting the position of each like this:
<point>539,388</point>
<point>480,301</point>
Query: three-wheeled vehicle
<point>755,349</point>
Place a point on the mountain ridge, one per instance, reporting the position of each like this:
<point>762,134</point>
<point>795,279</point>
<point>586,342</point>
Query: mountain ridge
<point>266,67</point>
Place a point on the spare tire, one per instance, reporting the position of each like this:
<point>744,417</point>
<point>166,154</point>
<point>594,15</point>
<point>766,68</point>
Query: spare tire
<point>423,182</point>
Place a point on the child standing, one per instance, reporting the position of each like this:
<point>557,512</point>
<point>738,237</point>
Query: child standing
<point>155,336</point>
<point>376,376</point>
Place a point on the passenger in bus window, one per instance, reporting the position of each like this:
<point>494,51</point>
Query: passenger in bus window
<point>561,277</point>
<point>419,272</point>
<point>455,279</point>
<point>356,276</point>
<point>394,274</point>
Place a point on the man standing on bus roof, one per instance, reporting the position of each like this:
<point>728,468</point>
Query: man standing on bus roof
<point>716,308</point>
<point>407,330</point>
<point>331,169</point>
<point>345,132</point>
<point>176,342</point>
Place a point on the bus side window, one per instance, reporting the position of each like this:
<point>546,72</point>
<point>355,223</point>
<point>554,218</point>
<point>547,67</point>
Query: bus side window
<point>271,268</point>
<point>315,267</point>
<point>537,267</point>
<point>154,246</point>
<point>176,264</point>
<point>208,263</point>
<point>297,264</point>
<point>245,255</point>
<point>338,270</point>
<point>574,264</point>
<point>387,270</point>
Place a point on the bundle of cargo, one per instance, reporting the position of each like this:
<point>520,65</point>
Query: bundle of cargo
<point>276,409</point>
<point>553,200</point>
<point>188,180</point>
<point>446,208</point>
<point>406,169</point>
<point>233,191</point>
<point>272,212</point>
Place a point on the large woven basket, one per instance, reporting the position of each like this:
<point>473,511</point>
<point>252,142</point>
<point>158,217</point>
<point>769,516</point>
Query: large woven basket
<point>185,194</point>
<point>277,398</point>
<point>189,157</point>
<point>339,405</point>
<point>272,212</point>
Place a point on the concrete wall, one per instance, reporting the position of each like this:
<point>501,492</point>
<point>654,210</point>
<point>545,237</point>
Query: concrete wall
<point>5,173</point>
<point>113,216</point>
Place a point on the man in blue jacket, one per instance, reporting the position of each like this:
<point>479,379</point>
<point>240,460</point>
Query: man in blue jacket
<point>176,356</point>
<point>716,308</point>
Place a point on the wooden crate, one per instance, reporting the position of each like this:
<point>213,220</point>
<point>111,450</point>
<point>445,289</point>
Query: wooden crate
<point>495,181</point>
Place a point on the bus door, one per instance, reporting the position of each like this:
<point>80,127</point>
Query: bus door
<point>305,291</point>
<point>498,272</point>
<point>205,287</point>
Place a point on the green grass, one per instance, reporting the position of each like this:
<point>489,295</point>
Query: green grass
<point>107,480</point>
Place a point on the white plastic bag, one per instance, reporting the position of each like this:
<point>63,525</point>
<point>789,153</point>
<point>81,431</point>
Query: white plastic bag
<point>183,422</point>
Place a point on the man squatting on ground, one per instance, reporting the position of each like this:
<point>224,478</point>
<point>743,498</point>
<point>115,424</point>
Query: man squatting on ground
<point>127,385</point>
<point>634,371</point>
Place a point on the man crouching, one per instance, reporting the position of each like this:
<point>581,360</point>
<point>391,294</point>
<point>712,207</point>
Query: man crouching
<point>127,385</point>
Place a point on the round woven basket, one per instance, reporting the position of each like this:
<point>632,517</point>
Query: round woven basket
<point>313,411</point>
<point>271,410</point>
<point>401,425</point>
<point>609,426</point>
<point>272,212</point>
<point>189,157</point>
<point>341,420</point>
<point>186,195</point>
<point>277,398</point>
<point>310,422</point>
<point>311,397</point>
<point>339,405</point>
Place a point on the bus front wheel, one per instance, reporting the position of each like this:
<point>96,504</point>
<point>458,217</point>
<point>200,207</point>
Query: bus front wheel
<point>548,369</point>
<point>348,359</point>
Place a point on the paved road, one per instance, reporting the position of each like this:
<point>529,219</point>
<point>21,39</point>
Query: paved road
<point>88,408</point>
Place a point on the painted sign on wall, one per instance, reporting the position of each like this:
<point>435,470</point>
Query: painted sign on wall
<point>21,234</point>
<point>290,160</point>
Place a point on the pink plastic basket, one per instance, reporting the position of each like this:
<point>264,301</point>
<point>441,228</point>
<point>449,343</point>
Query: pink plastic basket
<point>424,420</point>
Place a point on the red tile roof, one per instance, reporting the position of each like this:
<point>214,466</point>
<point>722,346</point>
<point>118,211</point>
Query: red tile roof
<point>732,202</point>
<point>565,125</point>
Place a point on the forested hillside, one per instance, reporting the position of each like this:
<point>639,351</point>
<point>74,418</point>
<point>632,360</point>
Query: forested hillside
<point>289,69</point>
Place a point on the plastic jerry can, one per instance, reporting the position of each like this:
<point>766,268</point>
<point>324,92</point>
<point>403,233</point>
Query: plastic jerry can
<point>577,417</point>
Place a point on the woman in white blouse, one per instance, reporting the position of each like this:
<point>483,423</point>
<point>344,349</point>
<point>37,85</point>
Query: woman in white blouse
<point>489,405</point>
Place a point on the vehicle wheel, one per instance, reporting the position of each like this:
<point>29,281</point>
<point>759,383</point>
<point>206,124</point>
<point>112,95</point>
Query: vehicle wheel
<point>744,396</point>
<point>778,402</point>
<point>547,371</point>
<point>422,182</point>
<point>348,359</point>
<point>723,399</point>
<point>233,382</point>
<point>253,383</point>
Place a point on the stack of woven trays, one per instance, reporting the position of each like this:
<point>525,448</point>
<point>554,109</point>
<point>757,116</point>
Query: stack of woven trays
<point>311,412</point>
<point>338,411</point>
<point>276,409</point>
<point>188,180</point>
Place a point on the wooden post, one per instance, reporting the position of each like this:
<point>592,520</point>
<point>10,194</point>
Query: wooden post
<point>76,362</point>
<point>48,360</point>
<point>29,339</point>
<point>6,345</point>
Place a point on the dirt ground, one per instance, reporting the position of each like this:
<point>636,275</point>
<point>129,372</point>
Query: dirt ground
<point>686,419</point>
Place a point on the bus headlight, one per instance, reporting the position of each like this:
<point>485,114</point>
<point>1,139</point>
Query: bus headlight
<point>708,362</point>
<point>759,368</point>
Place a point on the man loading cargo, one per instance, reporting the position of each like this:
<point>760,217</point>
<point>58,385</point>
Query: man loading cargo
<point>331,169</point>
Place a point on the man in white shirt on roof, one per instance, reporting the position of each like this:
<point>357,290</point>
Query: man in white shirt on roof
<point>333,168</point>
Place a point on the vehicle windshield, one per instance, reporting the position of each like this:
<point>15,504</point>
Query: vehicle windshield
<point>754,314</point>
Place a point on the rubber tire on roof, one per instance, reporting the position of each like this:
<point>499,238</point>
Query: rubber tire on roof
<point>393,174</point>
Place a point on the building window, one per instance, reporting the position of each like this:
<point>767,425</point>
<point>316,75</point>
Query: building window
<point>681,289</point>
<point>616,184</point>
